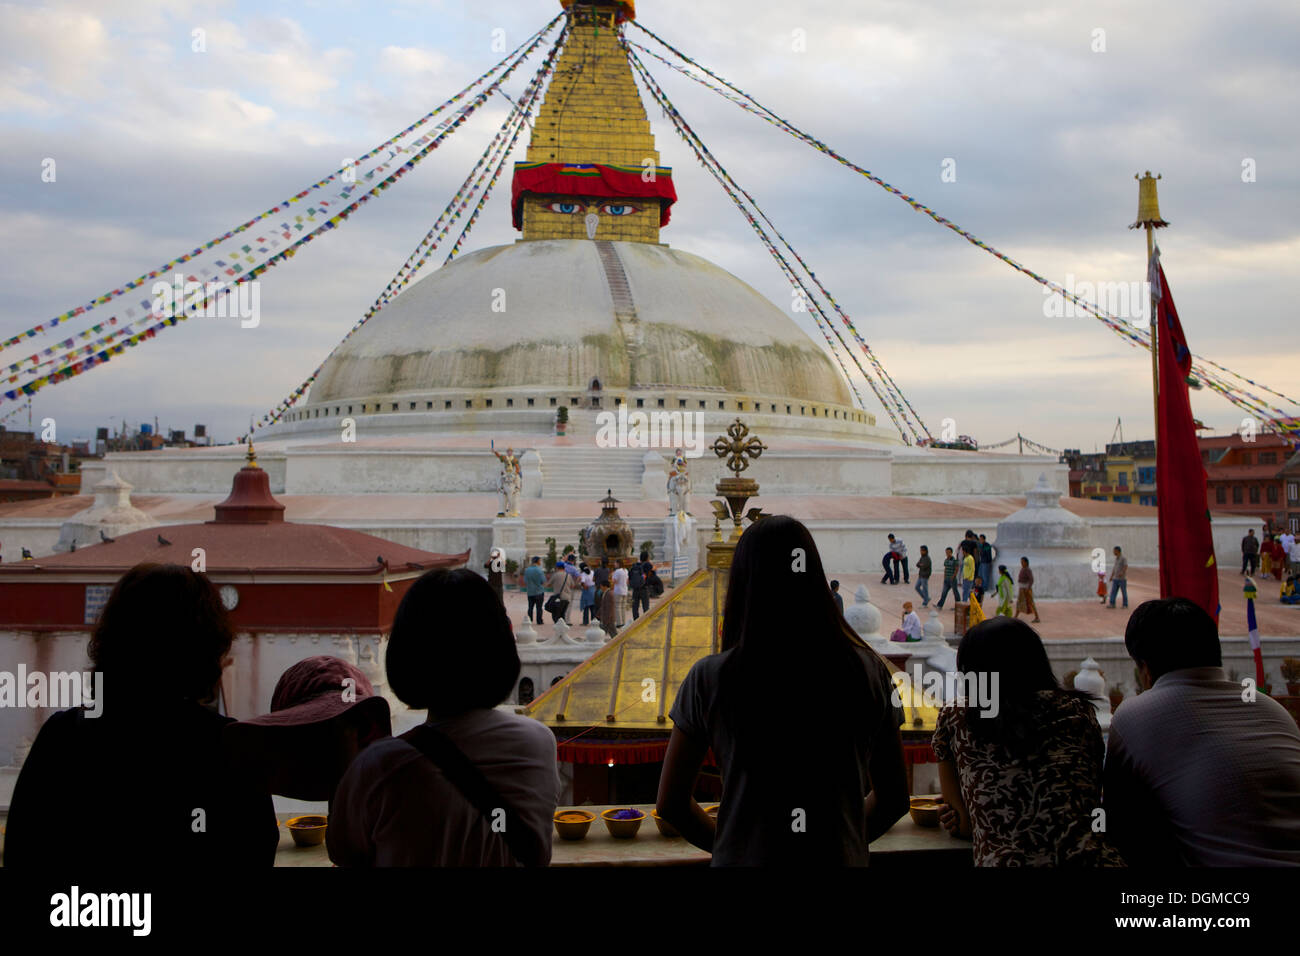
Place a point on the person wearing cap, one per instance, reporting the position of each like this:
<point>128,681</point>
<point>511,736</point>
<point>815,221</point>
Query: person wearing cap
<point>324,712</point>
<point>141,779</point>
<point>473,785</point>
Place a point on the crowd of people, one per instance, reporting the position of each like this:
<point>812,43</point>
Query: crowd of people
<point>1193,773</point>
<point>1277,555</point>
<point>968,576</point>
<point>608,593</point>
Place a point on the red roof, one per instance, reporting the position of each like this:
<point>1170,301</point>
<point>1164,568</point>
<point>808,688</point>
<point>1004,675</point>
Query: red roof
<point>249,536</point>
<point>271,548</point>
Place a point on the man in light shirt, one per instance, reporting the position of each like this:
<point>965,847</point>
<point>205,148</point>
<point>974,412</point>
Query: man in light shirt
<point>619,579</point>
<point>1118,578</point>
<point>1200,770</point>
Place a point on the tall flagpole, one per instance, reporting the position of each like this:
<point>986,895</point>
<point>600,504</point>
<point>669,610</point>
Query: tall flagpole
<point>1149,216</point>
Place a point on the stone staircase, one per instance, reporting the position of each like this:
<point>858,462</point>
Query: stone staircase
<point>586,472</point>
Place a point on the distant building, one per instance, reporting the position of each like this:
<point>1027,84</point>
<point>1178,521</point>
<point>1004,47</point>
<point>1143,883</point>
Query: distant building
<point>1245,477</point>
<point>31,468</point>
<point>1290,475</point>
<point>1125,473</point>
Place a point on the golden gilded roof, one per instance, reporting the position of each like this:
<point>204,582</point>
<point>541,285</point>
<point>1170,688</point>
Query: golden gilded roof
<point>630,683</point>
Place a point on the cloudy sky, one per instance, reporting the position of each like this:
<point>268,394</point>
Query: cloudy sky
<point>1046,111</point>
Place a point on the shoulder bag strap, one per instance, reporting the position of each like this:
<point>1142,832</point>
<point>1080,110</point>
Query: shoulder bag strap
<point>474,786</point>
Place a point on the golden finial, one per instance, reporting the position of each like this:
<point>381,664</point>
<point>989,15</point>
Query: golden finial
<point>1148,202</point>
<point>251,456</point>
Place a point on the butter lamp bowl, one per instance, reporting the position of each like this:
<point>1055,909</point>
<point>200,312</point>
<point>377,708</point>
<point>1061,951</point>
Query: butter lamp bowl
<point>665,828</point>
<point>573,824</point>
<point>622,822</point>
<point>307,830</point>
<point>925,810</point>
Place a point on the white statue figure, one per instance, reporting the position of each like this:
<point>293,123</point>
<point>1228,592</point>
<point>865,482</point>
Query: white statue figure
<point>679,486</point>
<point>509,484</point>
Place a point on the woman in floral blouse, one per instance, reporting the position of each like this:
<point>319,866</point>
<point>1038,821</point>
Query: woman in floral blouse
<point>1020,763</point>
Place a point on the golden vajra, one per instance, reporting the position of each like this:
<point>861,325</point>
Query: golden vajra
<point>739,449</point>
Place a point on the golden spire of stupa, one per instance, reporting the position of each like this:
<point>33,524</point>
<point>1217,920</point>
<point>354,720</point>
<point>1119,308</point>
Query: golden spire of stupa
<point>592,115</point>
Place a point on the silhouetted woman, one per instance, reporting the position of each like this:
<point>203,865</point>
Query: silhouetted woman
<point>799,713</point>
<point>473,785</point>
<point>145,784</point>
<point>1020,758</point>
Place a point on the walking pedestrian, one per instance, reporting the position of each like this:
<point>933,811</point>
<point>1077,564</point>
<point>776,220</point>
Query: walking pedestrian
<point>535,586</point>
<point>561,586</point>
<point>900,557</point>
<point>835,593</point>
<point>985,569</point>
<point>923,576</point>
<point>588,600</point>
<point>1287,540</point>
<point>1025,597</point>
<point>638,577</point>
<point>949,577</point>
<point>1005,592</point>
<point>1119,577</point>
<point>967,574</point>
<point>618,578</point>
<point>1249,552</point>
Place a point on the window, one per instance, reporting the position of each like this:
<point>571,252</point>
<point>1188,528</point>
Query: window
<point>1147,500</point>
<point>394,408</point>
<point>487,403</point>
<point>773,408</point>
<point>740,406</point>
<point>552,403</point>
<point>661,403</point>
<point>1147,475</point>
<point>1254,494</point>
<point>1124,499</point>
<point>701,403</point>
<point>336,410</point>
<point>349,409</point>
<point>447,404</point>
<point>640,402</point>
<point>530,403</point>
<point>412,408</point>
<point>1268,458</point>
<point>428,406</point>
<point>722,405</point>
<point>1292,490</point>
<point>573,403</point>
<point>1123,479</point>
<point>787,409</point>
<point>801,409</point>
<point>1220,495</point>
<point>1272,494</point>
<point>595,402</point>
<point>510,403</point>
<point>681,403</point>
<point>1236,494</point>
<point>469,403</point>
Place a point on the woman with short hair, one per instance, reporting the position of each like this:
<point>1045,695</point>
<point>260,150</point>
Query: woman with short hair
<point>150,769</point>
<point>473,785</point>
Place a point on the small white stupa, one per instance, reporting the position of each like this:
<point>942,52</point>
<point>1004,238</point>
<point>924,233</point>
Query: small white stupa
<point>111,515</point>
<point>1055,541</point>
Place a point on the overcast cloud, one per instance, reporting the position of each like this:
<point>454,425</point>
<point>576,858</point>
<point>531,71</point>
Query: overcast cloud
<point>159,148</point>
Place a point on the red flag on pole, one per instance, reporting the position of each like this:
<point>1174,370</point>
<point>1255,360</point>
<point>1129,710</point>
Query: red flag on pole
<point>1187,565</point>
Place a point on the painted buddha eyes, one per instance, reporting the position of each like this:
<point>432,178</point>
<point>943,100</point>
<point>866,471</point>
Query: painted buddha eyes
<point>576,208</point>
